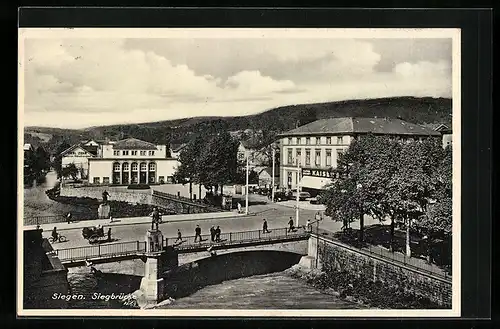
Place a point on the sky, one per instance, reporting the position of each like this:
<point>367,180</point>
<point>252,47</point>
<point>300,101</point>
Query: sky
<point>77,82</point>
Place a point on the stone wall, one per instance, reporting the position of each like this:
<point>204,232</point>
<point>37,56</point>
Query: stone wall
<point>335,258</point>
<point>95,192</point>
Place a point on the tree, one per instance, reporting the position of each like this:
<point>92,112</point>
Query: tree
<point>70,171</point>
<point>189,169</point>
<point>58,159</point>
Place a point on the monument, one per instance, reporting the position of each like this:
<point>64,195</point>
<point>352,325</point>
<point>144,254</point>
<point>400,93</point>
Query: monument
<point>152,284</point>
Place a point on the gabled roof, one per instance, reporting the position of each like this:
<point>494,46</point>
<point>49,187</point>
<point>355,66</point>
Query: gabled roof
<point>355,125</point>
<point>85,148</point>
<point>133,144</point>
<point>91,149</point>
<point>441,127</point>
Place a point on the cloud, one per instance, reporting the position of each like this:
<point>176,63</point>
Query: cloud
<point>106,81</point>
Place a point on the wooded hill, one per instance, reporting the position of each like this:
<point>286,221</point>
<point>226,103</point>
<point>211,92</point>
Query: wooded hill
<point>280,119</point>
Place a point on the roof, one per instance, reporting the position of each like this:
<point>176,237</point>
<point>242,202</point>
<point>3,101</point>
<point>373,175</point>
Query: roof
<point>441,127</point>
<point>350,125</point>
<point>91,149</point>
<point>85,148</point>
<point>269,171</point>
<point>133,144</point>
<point>177,147</point>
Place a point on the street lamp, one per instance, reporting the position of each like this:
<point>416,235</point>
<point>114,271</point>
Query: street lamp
<point>246,189</point>
<point>273,179</point>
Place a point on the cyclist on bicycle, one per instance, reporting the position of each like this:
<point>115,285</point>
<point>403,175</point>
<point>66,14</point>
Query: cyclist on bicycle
<point>55,235</point>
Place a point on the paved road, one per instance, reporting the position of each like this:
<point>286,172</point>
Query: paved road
<point>277,217</point>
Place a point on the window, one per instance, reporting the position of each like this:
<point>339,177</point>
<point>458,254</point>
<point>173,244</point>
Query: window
<point>152,166</point>
<point>329,140</point>
<point>134,152</point>
<point>105,180</point>
<point>125,166</point>
<point>134,166</point>
<point>143,166</point>
<point>318,140</point>
<point>340,140</point>
<point>317,159</point>
<point>116,167</point>
<point>96,180</point>
<point>298,153</point>
<point>151,153</point>
<point>116,152</point>
<point>328,157</point>
<point>289,141</point>
<point>161,179</point>
<point>290,156</point>
<point>308,157</point>
<point>308,140</point>
<point>125,152</point>
<point>143,153</point>
<point>299,140</point>
<point>339,154</point>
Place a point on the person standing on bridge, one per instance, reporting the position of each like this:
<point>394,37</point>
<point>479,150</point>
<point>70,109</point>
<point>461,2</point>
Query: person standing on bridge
<point>109,234</point>
<point>217,234</point>
<point>197,233</point>
<point>212,233</point>
<point>264,227</point>
<point>54,234</point>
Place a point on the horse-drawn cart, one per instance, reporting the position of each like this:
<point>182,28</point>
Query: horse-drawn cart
<point>93,234</point>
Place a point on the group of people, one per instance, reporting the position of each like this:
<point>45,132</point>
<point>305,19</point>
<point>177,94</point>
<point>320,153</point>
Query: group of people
<point>215,233</point>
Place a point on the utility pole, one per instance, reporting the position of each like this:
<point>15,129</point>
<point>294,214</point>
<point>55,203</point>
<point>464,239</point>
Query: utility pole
<point>298,195</point>
<point>246,189</point>
<point>274,168</point>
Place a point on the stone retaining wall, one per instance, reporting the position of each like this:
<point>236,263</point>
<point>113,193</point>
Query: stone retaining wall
<point>134,197</point>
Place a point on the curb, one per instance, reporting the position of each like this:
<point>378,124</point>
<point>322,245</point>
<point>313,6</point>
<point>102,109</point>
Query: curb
<point>109,224</point>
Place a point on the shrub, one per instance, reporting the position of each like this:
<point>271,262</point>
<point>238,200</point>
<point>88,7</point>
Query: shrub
<point>138,187</point>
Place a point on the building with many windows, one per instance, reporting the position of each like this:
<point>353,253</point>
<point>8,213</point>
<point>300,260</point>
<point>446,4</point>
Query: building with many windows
<point>132,161</point>
<point>318,145</point>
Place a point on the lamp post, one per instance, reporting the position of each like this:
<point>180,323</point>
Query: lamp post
<point>273,179</point>
<point>298,195</point>
<point>246,188</point>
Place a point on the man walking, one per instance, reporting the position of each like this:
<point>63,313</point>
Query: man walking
<point>179,236</point>
<point>109,234</point>
<point>264,227</point>
<point>68,217</point>
<point>290,224</point>
<point>197,233</point>
<point>217,234</point>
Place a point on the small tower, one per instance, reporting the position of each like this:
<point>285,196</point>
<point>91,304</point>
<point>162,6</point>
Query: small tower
<point>152,284</point>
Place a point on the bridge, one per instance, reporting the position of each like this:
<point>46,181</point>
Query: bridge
<point>113,252</point>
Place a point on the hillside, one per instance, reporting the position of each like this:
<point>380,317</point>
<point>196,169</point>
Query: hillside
<point>415,110</point>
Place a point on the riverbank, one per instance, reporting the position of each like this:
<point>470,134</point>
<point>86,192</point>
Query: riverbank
<point>346,286</point>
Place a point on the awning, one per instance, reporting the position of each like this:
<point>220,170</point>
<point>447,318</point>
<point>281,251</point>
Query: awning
<point>317,183</point>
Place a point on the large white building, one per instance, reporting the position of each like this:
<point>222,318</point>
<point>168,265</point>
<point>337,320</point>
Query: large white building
<point>317,146</point>
<point>131,161</point>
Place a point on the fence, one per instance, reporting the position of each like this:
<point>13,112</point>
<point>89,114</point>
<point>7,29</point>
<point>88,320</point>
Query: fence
<point>112,249</point>
<point>395,257</point>
<point>197,202</point>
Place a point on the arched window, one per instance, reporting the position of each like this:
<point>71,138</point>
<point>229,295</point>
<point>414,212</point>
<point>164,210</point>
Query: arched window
<point>134,166</point>
<point>143,166</point>
<point>152,166</point>
<point>116,166</point>
<point>125,166</point>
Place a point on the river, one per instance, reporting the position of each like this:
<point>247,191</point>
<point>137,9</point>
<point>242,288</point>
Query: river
<point>269,291</point>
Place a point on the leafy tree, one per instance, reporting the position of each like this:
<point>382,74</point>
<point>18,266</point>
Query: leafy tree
<point>189,169</point>
<point>70,171</point>
<point>57,159</point>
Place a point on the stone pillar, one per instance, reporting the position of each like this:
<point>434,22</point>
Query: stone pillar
<point>152,284</point>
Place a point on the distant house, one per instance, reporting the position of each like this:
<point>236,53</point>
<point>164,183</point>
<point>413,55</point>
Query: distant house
<point>446,132</point>
<point>266,177</point>
<point>28,150</point>
<point>175,150</point>
<point>79,155</point>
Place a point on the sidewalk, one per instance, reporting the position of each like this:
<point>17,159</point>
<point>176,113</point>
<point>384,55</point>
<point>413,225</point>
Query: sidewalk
<point>62,226</point>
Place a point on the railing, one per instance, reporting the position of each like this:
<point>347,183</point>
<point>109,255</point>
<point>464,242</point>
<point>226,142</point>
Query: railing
<point>101,250</point>
<point>197,202</point>
<point>132,247</point>
<point>395,257</point>
<point>40,220</point>
<point>232,238</point>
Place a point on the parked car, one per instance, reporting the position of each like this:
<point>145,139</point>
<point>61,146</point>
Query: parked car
<point>315,200</point>
<point>263,191</point>
<point>280,196</point>
<point>302,196</point>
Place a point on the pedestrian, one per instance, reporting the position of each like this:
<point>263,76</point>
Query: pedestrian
<point>239,208</point>
<point>212,233</point>
<point>309,226</point>
<point>111,219</point>
<point>197,233</point>
<point>105,196</point>
<point>109,234</point>
<point>179,235</point>
<point>290,224</point>
<point>68,217</point>
<point>55,234</point>
<point>217,234</point>
<point>264,227</point>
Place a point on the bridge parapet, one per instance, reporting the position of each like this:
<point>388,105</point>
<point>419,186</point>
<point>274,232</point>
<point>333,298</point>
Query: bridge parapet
<point>181,204</point>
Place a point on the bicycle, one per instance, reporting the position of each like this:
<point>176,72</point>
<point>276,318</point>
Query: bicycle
<point>60,238</point>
